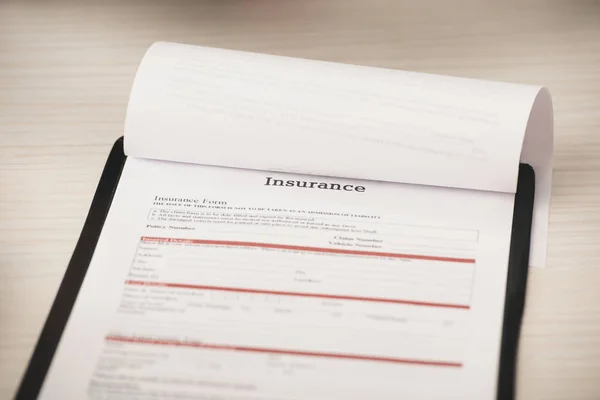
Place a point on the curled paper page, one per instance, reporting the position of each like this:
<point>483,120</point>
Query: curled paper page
<point>537,151</point>
<point>255,111</point>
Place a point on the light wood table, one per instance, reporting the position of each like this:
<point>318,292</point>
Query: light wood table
<point>66,68</point>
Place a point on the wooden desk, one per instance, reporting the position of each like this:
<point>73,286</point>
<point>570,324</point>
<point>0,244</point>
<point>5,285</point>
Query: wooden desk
<point>66,68</point>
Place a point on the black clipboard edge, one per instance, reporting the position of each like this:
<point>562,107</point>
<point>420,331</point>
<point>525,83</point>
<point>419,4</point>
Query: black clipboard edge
<point>41,359</point>
<point>516,282</point>
<point>49,338</point>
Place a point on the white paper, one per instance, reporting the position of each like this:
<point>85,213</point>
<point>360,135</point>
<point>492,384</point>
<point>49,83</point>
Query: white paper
<point>208,283</point>
<point>537,151</point>
<point>222,107</point>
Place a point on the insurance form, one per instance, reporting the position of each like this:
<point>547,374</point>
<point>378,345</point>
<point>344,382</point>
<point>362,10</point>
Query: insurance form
<point>215,283</point>
<point>288,229</point>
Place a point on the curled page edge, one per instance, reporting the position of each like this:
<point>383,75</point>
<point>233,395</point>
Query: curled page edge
<point>157,129</point>
<point>537,151</point>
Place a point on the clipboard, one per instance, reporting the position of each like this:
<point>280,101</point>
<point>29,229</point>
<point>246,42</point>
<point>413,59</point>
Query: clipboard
<point>41,359</point>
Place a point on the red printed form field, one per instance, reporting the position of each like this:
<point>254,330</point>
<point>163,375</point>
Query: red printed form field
<point>266,297</point>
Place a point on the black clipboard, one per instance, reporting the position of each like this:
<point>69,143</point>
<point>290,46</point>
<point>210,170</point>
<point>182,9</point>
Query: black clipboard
<point>39,363</point>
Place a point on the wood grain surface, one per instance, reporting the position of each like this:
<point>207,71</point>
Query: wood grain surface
<point>66,68</point>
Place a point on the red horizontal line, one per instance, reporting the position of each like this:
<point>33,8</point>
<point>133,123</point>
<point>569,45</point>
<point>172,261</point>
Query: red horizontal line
<point>297,294</point>
<point>308,248</point>
<point>246,349</point>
